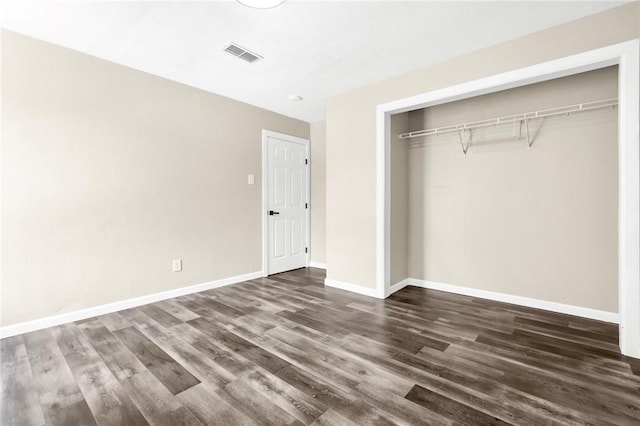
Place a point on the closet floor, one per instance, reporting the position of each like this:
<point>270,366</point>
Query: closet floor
<point>287,350</point>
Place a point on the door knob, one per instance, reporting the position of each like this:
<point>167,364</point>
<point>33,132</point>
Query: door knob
<point>271,212</point>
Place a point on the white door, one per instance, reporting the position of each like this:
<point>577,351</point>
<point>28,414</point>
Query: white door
<point>287,208</point>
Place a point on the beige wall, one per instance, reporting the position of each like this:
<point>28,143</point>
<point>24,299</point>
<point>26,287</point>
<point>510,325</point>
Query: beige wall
<point>399,220</point>
<point>318,192</point>
<point>538,223</point>
<point>351,162</point>
<point>109,173</point>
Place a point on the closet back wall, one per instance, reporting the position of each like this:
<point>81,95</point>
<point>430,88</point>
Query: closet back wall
<point>538,223</point>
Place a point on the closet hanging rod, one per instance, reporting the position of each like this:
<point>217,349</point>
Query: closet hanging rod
<point>564,110</point>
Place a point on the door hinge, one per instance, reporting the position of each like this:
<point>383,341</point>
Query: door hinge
<point>306,161</point>
<point>306,205</point>
<point>306,250</point>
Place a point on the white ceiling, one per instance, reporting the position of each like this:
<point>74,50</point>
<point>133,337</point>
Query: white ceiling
<point>311,49</point>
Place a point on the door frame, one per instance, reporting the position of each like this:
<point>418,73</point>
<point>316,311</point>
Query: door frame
<point>627,56</point>
<point>265,187</point>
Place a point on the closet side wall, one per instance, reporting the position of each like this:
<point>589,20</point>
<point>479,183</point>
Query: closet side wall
<point>539,222</point>
<point>399,200</point>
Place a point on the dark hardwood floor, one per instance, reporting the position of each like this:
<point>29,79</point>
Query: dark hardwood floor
<point>287,350</point>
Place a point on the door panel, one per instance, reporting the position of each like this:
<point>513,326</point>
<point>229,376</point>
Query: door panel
<point>280,183</point>
<point>279,239</point>
<point>287,198</point>
<point>296,236</point>
<point>296,188</point>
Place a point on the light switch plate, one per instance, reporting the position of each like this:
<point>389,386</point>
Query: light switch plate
<point>251,179</point>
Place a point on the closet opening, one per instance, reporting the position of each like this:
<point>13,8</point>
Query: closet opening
<point>521,187</point>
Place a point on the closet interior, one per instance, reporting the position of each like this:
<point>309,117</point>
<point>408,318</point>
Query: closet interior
<point>512,192</point>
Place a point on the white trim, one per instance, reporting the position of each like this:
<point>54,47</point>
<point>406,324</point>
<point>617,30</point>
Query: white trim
<point>354,288</point>
<point>41,323</point>
<point>263,211</point>
<point>314,264</point>
<point>626,56</point>
<point>383,201</point>
<point>266,134</point>
<point>629,202</point>
<point>398,286</point>
<point>308,212</point>
<point>562,308</point>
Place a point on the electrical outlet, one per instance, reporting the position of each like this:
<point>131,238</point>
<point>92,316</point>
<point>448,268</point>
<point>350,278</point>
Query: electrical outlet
<point>177,265</point>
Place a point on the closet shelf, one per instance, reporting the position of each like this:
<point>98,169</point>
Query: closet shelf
<point>517,118</point>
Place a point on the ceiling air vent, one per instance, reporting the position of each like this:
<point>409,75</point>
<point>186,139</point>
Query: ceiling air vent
<point>242,53</point>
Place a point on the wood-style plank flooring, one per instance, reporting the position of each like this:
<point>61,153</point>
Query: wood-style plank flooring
<point>288,351</point>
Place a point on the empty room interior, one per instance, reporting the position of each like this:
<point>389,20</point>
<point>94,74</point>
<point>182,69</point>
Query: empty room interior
<point>270,212</point>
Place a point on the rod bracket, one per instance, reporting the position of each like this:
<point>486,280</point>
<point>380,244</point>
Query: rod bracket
<point>526,128</point>
<point>465,147</point>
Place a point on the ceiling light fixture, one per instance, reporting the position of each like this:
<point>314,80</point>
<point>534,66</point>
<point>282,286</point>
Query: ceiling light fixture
<point>261,4</point>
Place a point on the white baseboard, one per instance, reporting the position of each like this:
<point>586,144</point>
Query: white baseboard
<point>397,286</point>
<point>371,292</point>
<point>39,324</point>
<point>562,308</point>
<point>313,264</point>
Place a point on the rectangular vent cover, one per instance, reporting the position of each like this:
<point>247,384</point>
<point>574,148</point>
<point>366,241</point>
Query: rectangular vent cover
<point>242,53</point>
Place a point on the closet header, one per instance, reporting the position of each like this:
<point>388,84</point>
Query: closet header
<point>517,118</point>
